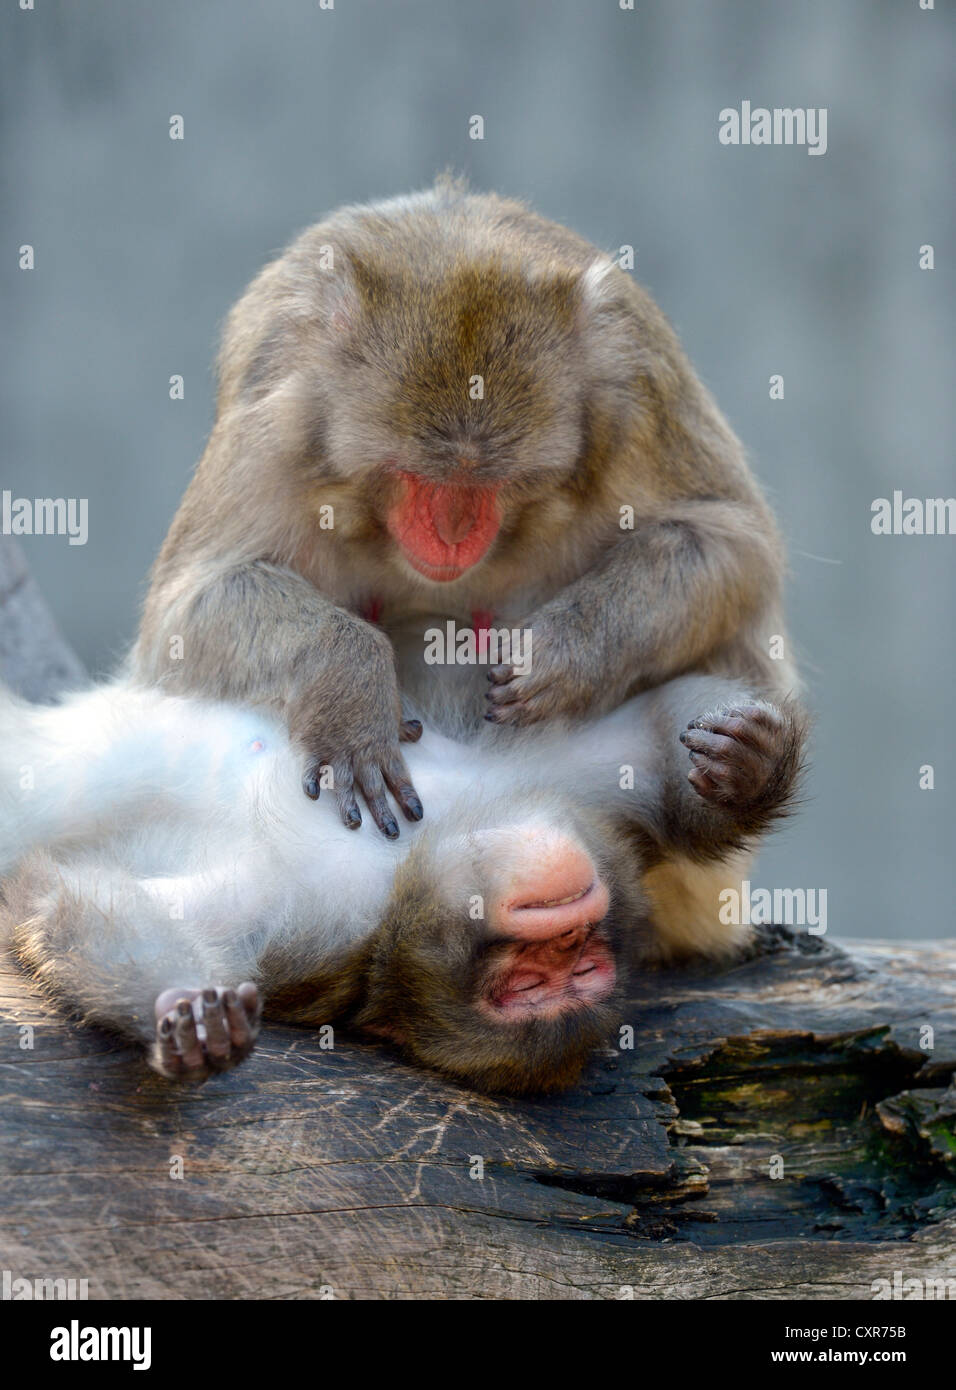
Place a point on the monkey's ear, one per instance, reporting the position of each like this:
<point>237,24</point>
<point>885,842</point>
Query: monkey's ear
<point>336,306</point>
<point>595,287</point>
<point>622,334</point>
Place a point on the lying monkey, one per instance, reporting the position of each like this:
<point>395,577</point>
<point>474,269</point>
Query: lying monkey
<point>169,879</point>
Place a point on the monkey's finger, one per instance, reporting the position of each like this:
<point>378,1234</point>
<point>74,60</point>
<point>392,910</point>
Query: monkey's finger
<point>345,796</point>
<point>399,784</point>
<point>311,780</point>
<point>166,1057</point>
<point>505,694</point>
<point>721,783</point>
<point>518,713</point>
<point>703,783</point>
<point>513,715</point>
<point>217,1036</point>
<point>766,716</point>
<point>242,1027</point>
<point>719,771</point>
<point>410,730</point>
<point>372,786</point>
<point>500,675</point>
<point>251,1001</point>
<point>187,1039</point>
<point>701,741</point>
<point>738,724</point>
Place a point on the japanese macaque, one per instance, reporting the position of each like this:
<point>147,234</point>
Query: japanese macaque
<point>445,408</point>
<point>165,877</point>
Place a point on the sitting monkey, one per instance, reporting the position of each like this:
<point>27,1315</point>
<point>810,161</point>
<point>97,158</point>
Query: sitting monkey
<point>167,878</point>
<point>445,406</point>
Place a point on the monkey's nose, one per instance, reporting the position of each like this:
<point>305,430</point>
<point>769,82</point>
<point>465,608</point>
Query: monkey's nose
<point>454,513</point>
<point>453,523</point>
<point>552,891</point>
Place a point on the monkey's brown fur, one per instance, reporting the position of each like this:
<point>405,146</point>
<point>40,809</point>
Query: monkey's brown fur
<point>333,378</point>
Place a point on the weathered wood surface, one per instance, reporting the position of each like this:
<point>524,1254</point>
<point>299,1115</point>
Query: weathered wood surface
<point>308,1170</point>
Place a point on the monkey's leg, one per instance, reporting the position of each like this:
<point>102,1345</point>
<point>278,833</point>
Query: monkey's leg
<point>116,955</point>
<point>746,756</point>
<point>260,634</point>
<point>728,764</point>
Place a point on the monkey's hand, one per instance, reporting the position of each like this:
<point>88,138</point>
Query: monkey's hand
<point>348,720</point>
<point>559,672</point>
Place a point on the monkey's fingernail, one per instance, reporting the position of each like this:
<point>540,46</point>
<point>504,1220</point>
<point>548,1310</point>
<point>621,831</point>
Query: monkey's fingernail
<point>209,996</point>
<point>166,1027</point>
<point>390,828</point>
<point>683,736</point>
<point>414,724</point>
<point>353,819</point>
<point>492,716</point>
<point>311,788</point>
<point>414,807</point>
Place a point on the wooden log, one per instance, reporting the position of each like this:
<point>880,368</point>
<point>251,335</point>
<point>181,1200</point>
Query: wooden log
<point>311,1173</point>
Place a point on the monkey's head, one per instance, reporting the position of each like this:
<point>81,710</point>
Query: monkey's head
<point>458,402</point>
<point>450,378</point>
<point>497,961</point>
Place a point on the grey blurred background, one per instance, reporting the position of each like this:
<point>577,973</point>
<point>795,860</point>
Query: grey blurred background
<point>766,259</point>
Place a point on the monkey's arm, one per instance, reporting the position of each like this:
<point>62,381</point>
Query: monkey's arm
<point>257,633</point>
<point>716,764</point>
<point>667,597</point>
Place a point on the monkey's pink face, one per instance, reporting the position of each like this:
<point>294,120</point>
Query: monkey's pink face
<point>546,905</point>
<point>443,529</point>
<point>501,969</point>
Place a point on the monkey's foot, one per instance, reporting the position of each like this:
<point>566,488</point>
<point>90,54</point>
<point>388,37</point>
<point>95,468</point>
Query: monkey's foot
<point>745,757</point>
<point>202,1031</point>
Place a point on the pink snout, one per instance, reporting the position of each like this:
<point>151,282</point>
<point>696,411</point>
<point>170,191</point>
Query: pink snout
<point>547,886</point>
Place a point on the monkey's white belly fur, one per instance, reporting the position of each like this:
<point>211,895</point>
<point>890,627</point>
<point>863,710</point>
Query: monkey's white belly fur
<point>207,817</point>
<point>207,811</point>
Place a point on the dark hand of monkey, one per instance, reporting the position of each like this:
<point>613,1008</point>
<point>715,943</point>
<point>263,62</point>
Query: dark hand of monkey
<point>744,757</point>
<point>348,721</point>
